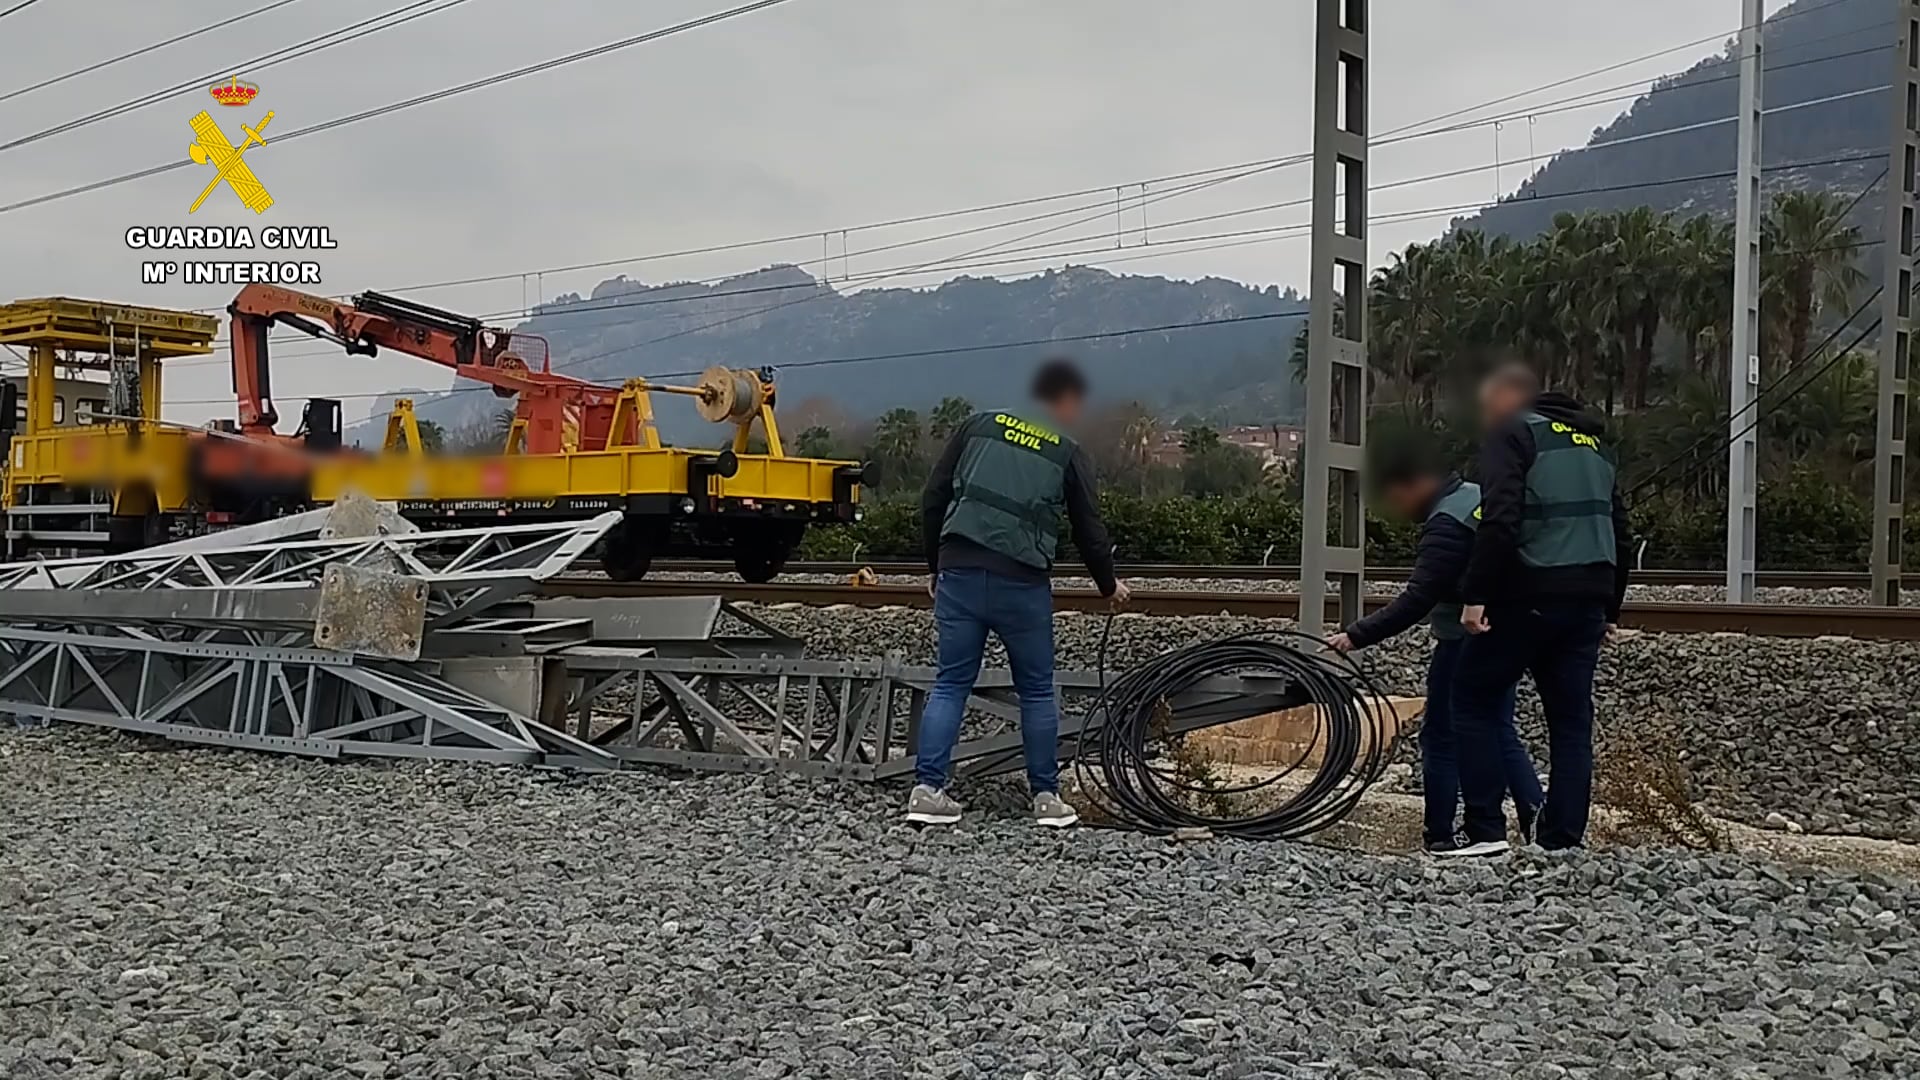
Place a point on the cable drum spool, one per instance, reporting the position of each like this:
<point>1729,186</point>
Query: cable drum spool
<point>1352,739</point>
<point>729,395</point>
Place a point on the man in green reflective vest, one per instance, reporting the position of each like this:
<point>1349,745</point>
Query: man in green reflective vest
<point>1542,591</point>
<point>1417,487</point>
<point>991,519</point>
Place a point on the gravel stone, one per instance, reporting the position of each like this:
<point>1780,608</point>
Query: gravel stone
<point>322,920</point>
<point>1824,732</point>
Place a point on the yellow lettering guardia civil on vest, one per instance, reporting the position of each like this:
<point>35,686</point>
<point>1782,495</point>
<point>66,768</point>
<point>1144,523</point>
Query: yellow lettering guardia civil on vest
<point>1021,433</point>
<point>1579,438</point>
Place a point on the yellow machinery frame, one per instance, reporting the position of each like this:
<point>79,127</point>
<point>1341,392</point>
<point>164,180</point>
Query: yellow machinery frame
<point>109,480</point>
<point>404,472</point>
<point>130,460</point>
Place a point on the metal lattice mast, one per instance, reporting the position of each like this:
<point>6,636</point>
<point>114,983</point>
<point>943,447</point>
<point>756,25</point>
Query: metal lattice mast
<point>1896,305</point>
<point>1743,449</point>
<point>1336,349</point>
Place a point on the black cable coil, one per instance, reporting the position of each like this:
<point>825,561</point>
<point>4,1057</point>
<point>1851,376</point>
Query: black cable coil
<point>1116,766</point>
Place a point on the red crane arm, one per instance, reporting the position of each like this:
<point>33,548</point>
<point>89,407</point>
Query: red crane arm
<point>375,321</point>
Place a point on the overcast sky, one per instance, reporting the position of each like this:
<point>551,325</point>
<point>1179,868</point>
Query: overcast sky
<point>813,115</point>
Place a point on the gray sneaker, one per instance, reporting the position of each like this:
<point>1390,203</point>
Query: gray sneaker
<point>931,806</point>
<point>1051,810</point>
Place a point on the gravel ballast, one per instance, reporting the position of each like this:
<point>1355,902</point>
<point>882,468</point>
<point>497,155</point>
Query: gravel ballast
<point>1823,731</point>
<point>171,913</point>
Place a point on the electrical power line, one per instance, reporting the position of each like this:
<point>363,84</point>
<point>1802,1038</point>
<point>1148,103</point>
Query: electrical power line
<point>423,99</point>
<point>1140,204</point>
<point>1048,252</point>
<point>807,299</point>
<point>1550,108</point>
<point>145,49</point>
<point>340,36</point>
<point>1775,20</point>
<point>22,4</point>
<point>1835,223</point>
<point>1649,479</point>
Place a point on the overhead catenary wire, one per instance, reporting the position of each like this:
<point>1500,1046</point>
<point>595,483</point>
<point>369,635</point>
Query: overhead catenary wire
<point>1760,411</point>
<point>422,99</point>
<point>1294,229</point>
<point>374,24</point>
<point>1836,222</point>
<point>758,312</point>
<point>1404,135</point>
<point>1102,214</point>
<point>145,49</point>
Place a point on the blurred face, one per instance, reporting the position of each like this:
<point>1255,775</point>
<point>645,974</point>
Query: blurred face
<point>1499,401</point>
<point>1065,409</point>
<point>1408,499</point>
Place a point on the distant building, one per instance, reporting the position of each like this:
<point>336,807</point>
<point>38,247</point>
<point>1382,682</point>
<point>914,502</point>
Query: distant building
<point>1275,445</point>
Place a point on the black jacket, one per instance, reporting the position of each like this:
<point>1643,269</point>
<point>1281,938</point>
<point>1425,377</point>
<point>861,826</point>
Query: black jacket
<point>1083,515</point>
<point>1496,573</point>
<point>1439,562</point>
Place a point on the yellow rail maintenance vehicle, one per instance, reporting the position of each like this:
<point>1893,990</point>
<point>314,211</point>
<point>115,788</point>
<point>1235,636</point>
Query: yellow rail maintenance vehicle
<point>573,449</point>
<point>88,464</point>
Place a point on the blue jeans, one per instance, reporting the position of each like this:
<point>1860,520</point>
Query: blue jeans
<point>967,603</point>
<point>1559,642</point>
<point>1439,769</point>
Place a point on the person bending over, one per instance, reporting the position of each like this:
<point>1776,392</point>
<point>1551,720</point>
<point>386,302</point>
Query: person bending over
<point>1449,510</point>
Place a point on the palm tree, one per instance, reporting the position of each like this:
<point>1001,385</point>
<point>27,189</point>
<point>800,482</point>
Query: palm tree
<point>896,445</point>
<point>1702,294</point>
<point>947,416</point>
<point>1642,250</point>
<point>1139,434</point>
<point>1807,251</point>
<point>814,442</point>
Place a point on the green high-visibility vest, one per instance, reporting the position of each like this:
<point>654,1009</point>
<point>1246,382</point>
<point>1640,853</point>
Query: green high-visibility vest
<point>1009,487</point>
<point>1569,508</point>
<point>1463,506</point>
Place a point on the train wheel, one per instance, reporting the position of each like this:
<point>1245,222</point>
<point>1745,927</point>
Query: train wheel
<point>627,552</point>
<point>759,566</point>
<point>760,555</point>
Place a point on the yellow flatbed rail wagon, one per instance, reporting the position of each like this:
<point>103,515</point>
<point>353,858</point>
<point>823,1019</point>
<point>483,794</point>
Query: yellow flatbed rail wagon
<point>91,466</point>
<point>573,448</point>
<point>751,507</point>
<point>88,465</point>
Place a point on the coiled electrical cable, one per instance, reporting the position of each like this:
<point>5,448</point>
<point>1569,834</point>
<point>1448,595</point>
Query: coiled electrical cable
<point>1117,765</point>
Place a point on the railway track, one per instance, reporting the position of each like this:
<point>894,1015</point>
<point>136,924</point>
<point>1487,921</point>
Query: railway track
<point>1769,620</point>
<point>1787,579</point>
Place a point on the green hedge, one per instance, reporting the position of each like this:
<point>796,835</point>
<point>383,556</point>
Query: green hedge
<point>1804,523</point>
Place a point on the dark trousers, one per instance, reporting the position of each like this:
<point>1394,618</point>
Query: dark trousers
<point>967,603</point>
<point>1439,760</point>
<point>1558,641</point>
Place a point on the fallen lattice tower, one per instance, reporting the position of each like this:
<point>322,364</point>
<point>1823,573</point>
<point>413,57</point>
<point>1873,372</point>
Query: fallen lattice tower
<point>347,632</point>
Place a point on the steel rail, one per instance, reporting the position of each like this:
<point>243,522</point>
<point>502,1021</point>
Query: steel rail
<point>1787,579</point>
<point>1767,620</point>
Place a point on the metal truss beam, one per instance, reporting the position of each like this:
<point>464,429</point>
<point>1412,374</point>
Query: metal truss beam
<point>1896,307</point>
<point>269,697</point>
<point>1337,322</point>
<point>852,719</point>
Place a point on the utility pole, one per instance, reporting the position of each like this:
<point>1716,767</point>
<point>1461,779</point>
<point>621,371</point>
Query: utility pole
<point>1743,376</point>
<point>1896,305</point>
<point>1336,357</point>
